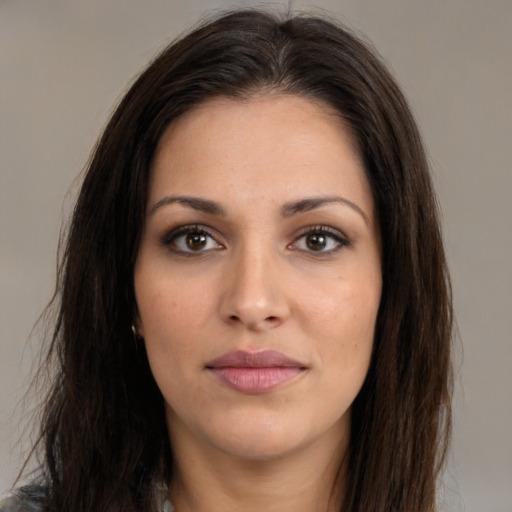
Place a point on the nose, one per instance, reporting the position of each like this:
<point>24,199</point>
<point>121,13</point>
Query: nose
<point>254,293</point>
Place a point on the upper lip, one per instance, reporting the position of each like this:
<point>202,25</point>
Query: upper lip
<point>260,359</point>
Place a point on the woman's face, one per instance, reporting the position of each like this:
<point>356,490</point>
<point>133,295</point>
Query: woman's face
<point>258,278</point>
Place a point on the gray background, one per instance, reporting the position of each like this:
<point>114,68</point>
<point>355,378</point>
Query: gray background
<point>63,65</point>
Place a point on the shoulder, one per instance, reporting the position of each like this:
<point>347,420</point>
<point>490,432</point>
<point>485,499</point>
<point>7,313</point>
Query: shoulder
<point>26,499</point>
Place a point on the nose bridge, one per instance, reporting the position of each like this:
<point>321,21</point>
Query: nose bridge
<point>254,294</point>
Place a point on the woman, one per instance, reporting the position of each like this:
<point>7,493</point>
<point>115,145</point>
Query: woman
<point>254,306</point>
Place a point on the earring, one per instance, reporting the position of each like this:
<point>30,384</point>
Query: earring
<point>135,333</point>
<point>137,338</point>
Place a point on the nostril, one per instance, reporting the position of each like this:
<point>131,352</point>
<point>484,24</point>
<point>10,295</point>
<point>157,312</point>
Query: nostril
<point>268,320</point>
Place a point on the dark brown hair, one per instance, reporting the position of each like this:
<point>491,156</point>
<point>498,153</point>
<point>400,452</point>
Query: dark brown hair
<point>104,435</point>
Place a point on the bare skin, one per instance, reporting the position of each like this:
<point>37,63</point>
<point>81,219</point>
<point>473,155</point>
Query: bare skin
<point>261,235</point>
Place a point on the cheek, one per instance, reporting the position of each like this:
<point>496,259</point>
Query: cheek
<point>342,319</point>
<point>170,309</point>
<point>171,316</point>
<point>348,309</point>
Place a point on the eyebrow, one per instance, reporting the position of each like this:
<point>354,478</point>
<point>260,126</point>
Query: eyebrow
<point>288,210</point>
<point>196,203</point>
<point>311,203</point>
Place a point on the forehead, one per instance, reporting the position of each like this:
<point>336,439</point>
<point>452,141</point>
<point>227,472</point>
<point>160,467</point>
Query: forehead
<point>273,144</point>
<point>296,115</point>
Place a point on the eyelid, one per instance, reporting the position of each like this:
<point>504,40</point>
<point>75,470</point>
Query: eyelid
<point>321,229</point>
<point>170,235</point>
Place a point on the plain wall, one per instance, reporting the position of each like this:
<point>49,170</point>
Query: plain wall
<point>63,65</point>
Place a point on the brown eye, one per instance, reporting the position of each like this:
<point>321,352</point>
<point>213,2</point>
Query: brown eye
<point>190,239</point>
<point>316,241</point>
<point>196,241</point>
<point>322,240</point>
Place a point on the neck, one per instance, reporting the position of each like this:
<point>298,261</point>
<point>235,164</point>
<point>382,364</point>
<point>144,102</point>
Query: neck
<point>311,479</point>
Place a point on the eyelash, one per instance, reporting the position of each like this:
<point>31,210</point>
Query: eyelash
<point>170,238</point>
<point>326,231</point>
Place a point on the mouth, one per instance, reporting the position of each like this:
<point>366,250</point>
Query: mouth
<point>255,372</point>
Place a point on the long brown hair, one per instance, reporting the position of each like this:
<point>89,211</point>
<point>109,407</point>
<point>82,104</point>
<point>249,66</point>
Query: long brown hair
<point>104,435</point>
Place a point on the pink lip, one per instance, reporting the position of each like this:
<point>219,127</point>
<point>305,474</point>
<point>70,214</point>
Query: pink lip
<point>255,372</point>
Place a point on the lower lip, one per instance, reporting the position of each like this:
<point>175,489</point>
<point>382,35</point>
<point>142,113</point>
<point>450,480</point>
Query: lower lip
<point>254,381</point>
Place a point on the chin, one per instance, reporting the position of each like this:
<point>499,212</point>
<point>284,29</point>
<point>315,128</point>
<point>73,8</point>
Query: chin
<point>260,446</point>
<point>270,437</point>
<point>254,436</point>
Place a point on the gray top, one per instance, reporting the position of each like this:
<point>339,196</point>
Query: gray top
<point>31,500</point>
